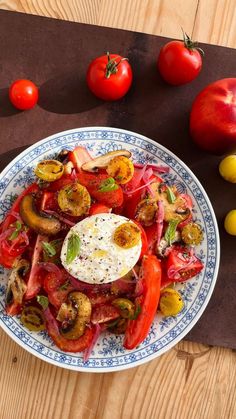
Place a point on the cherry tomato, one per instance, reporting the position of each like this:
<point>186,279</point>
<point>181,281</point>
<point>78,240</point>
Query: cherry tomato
<point>180,62</point>
<point>150,275</point>
<point>213,117</point>
<point>182,265</point>
<point>109,77</point>
<point>23,94</point>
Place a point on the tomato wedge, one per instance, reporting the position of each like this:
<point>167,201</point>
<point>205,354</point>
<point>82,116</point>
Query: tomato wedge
<point>93,181</point>
<point>57,288</point>
<point>67,345</point>
<point>181,264</point>
<point>104,313</point>
<point>11,216</point>
<point>150,276</point>
<point>98,208</point>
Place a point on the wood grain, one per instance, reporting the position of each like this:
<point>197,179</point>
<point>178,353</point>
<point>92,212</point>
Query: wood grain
<point>190,381</point>
<point>212,21</point>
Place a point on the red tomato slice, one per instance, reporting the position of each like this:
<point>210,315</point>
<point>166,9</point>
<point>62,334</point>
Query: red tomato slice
<point>60,183</point>
<point>182,265</point>
<point>67,345</point>
<point>49,201</point>
<point>150,275</point>
<point>10,218</point>
<point>104,313</point>
<point>98,208</point>
<point>92,182</point>
<point>57,288</point>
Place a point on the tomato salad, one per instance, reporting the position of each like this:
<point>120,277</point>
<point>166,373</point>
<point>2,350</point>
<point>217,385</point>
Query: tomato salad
<point>97,244</point>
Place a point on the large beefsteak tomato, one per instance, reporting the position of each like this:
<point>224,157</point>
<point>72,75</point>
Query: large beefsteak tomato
<point>213,117</point>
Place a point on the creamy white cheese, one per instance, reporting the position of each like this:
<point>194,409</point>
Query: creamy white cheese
<point>100,260</point>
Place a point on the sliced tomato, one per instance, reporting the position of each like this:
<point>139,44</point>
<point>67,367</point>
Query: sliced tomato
<point>92,182</point>
<point>98,208</point>
<point>67,345</point>
<point>49,201</point>
<point>13,309</point>
<point>57,288</point>
<point>150,276</point>
<point>151,234</point>
<point>181,264</point>
<point>98,298</point>
<point>60,183</point>
<point>104,313</point>
<point>11,249</point>
<point>10,217</point>
<point>79,156</point>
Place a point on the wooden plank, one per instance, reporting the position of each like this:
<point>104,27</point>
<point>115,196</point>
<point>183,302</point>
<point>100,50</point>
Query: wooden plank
<point>216,22</point>
<point>191,380</point>
<point>155,17</point>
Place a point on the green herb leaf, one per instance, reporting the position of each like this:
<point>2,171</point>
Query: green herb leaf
<point>170,195</point>
<point>65,285</point>
<point>170,231</point>
<point>49,249</point>
<point>15,233</point>
<point>43,301</point>
<point>73,248</point>
<point>138,310</point>
<point>108,185</point>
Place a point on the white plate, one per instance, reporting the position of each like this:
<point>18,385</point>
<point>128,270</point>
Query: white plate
<point>109,354</point>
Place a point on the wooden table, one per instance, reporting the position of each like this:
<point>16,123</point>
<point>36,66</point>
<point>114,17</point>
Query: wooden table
<point>191,380</point>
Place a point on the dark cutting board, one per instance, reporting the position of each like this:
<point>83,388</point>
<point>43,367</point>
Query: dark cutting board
<point>55,55</point>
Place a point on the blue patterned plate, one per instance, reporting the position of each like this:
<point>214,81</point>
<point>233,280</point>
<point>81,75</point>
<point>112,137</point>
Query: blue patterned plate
<point>109,354</point>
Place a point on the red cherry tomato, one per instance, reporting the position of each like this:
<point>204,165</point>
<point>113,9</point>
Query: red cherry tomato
<point>179,62</point>
<point>23,94</point>
<point>213,117</point>
<point>109,77</point>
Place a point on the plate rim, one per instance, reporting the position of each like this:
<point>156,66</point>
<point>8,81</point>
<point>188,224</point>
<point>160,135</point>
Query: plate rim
<point>206,301</point>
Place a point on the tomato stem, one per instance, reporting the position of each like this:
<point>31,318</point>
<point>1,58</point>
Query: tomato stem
<point>112,65</point>
<point>191,45</point>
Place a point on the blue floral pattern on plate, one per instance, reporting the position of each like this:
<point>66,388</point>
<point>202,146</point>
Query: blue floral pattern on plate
<point>109,354</point>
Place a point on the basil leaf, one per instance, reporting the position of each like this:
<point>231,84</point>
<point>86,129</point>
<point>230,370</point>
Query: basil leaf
<point>170,231</point>
<point>15,233</point>
<point>170,195</point>
<point>108,185</point>
<point>43,301</point>
<point>73,248</point>
<point>49,249</point>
